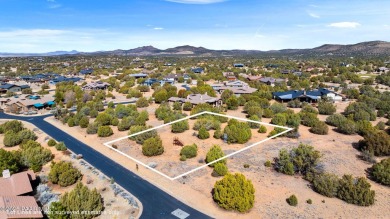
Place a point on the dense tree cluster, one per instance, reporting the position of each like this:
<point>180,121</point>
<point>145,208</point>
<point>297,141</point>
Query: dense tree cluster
<point>380,172</point>
<point>63,174</point>
<point>237,132</point>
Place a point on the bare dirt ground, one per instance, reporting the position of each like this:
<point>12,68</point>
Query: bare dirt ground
<point>115,206</point>
<point>272,188</point>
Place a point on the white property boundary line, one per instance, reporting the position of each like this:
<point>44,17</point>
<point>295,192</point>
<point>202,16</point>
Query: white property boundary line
<point>108,144</point>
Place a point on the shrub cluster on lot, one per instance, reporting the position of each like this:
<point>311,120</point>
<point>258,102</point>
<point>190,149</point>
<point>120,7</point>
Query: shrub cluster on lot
<point>180,127</point>
<point>15,133</point>
<point>326,108</point>
<point>140,138</point>
<point>203,133</point>
<point>152,147</point>
<point>63,174</point>
<point>104,131</point>
<point>380,172</point>
<point>215,153</point>
<point>189,151</point>
<point>234,192</point>
<point>319,128</point>
<point>292,200</point>
<point>237,132</point>
<point>376,142</point>
<point>60,146</point>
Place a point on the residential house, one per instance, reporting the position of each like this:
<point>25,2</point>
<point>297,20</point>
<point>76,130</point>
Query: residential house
<point>237,87</point>
<point>196,99</point>
<point>382,69</point>
<point>96,86</point>
<point>27,103</point>
<point>271,81</point>
<point>173,77</point>
<point>15,196</point>
<point>86,71</point>
<point>307,96</point>
<point>139,75</point>
<point>10,88</point>
<point>197,70</point>
<point>239,65</point>
<point>231,78</point>
<point>285,71</point>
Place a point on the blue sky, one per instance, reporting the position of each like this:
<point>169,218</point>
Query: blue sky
<point>86,25</point>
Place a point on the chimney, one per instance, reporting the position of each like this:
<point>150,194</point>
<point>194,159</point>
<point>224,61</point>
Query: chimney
<point>6,174</point>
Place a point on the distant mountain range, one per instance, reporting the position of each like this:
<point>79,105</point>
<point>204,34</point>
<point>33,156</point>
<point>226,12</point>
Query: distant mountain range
<point>372,48</point>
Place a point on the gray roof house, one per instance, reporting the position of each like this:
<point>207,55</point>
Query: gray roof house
<point>196,99</point>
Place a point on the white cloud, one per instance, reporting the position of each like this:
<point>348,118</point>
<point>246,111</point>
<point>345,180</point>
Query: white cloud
<point>158,28</point>
<point>311,14</point>
<point>345,25</point>
<point>196,1</point>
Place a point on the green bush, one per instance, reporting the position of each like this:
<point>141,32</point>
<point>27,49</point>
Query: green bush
<point>309,109</point>
<point>234,192</point>
<point>140,138</point>
<point>268,163</point>
<point>71,122</point>
<point>26,134</point>
<point>203,133</point>
<point>262,129</point>
<point>105,131</point>
<point>13,125</point>
<point>319,128</point>
<point>292,200</point>
<point>115,122</point>
<point>377,142</point>
<point>237,132</point>
<point>142,102</point>
<point>308,119</point>
<point>267,113</point>
<point>10,160</point>
<point>60,146</point>
<point>217,133</point>
<point>347,127</point>
<point>381,125</point>
<point>356,191</point>
<point>220,169</point>
<point>326,108</point>
<point>189,151</point>
<point>103,119</point>
<point>326,184</point>
<point>51,142</point>
<point>253,125</point>
<point>335,120</point>
<point>84,122</point>
<point>255,110</point>
<point>11,139</point>
<point>63,174</point>
<point>279,119</point>
<point>35,157</point>
<point>183,158</point>
<point>180,127</point>
<point>381,172</point>
<point>92,128</point>
<point>176,106</point>
<point>213,154</point>
<point>309,201</point>
<point>187,106</point>
<point>152,147</point>
<point>232,103</point>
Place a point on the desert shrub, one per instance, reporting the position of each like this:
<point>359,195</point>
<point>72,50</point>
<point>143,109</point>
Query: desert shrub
<point>255,110</point>
<point>160,96</point>
<point>226,94</point>
<point>13,125</point>
<point>279,119</point>
<point>180,127</point>
<point>360,111</point>
<point>326,184</point>
<point>268,163</point>
<point>220,169</point>
<point>309,201</point>
<point>94,113</point>
<point>234,192</point>
<point>267,113</point>
<point>11,139</point>
<point>10,160</point>
<point>71,122</point>
<point>356,191</point>
<point>253,125</point>
<point>294,103</point>
<point>309,109</point>
<point>35,157</point>
<point>183,158</point>
<point>262,129</point>
<point>215,153</point>
<point>80,198</point>
<point>278,108</point>
<point>292,200</point>
<point>319,128</point>
<point>326,108</point>
<point>237,132</point>
<point>152,147</point>
<point>232,103</point>
<point>103,119</point>
<point>377,142</point>
<point>347,127</point>
<point>176,106</point>
<point>249,104</point>
<point>367,156</point>
<point>126,123</point>
<point>308,119</point>
<point>217,133</point>
<point>380,172</point>
<point>26,134</point>
<point>302,159</point>
<point>84,122</point>
<point>29,144</point>
<point>189,151</point>
<point>92,128</point>
<point>272,133</point>
<point>60,146</point>
<point>105,131</point>
<point>63,174</point>
<point>381,125</point>
<point>335,120</point>
<point>208,123</point>
<point>140,138</point>
<point>364,127</point>
<point>51,142</point>
<point>115,122</point>
<point>203,133</point>
<point>187,106</point>
<point>142,102</point>
<point>163,111</point>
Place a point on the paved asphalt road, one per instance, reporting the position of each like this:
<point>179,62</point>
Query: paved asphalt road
<point>156,203</point>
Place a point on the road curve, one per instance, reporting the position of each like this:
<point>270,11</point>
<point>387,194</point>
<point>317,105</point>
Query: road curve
<point>156,203</point>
